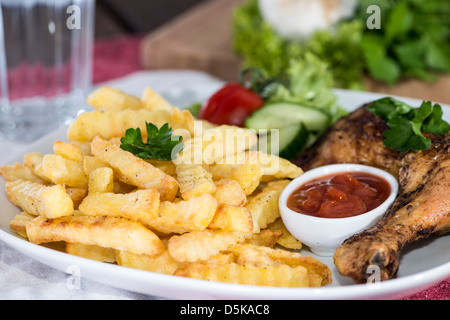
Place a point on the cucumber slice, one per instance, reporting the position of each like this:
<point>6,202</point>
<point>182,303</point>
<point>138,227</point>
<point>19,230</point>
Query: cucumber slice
<point>280,115</point>
<point>286,142</point>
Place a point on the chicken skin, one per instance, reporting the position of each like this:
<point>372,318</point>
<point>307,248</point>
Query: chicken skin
<point>421,208</point>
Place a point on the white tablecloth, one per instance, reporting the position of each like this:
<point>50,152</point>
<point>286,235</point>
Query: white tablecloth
<point>24,278</point>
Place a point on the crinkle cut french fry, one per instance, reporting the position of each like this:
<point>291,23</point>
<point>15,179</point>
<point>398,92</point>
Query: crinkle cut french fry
<point>229,192</point>
<point>277,276</point>
<point>18,171</point>
<point>185,216</point>
<point>264,206</point>
<point>68,150</point>
<point>245,168</point>
<point>154,101</point>
<point>142,205</point>
<point>319,272</point>
<point>195,246</point>
<point>287,240</point>
<point>108,98</point>
<point>111,124</point>
<point>274,167</point>
<point>162,263</point>
<point>60,170</point>
<point>194,180</point>
<point>19,223</point>
<point>101,180</point>
<point>133,170</point>
<point>108,232</point>
<point>92,252</point>
<point>37,199</point>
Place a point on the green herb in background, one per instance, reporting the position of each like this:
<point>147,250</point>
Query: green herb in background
<point>262,47</point>
<point>414,40</point>
<point>160,143</point>
<point>407,124</point>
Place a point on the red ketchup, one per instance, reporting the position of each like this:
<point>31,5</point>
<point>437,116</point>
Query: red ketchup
<point>340,195</point>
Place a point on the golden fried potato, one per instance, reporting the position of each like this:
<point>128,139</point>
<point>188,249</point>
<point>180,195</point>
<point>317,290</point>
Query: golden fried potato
<point>154,101</point>
<point>287,240</point>
<point>135,171</point>
<point>19,223</point>
<point>141,206</point>
<point>91,252</point>
<point>277,276</point>
<point>245,168</point>
<point>111,124</point>
<point>232,218</point>
<point>18,171</point>
<point>37,199</point>
<point>274,167</point>
<point>264,206</point>
<point>33,161</point>
<point>77,195</point>
<point>60,170</point>
<point>201,245</point>
<point>185,216</point>
<point>319,273</point>
<point>194,181</point>
<point>108,98</point>
<point>107,232</point>
<point>162,263</point>
<point>230,192</point>
<point>101,180</point>
<point>68,151</point>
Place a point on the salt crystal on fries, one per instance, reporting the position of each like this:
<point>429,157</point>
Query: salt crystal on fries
<point>108,232</point>
<point>133,170</point>
<point>37,199</point>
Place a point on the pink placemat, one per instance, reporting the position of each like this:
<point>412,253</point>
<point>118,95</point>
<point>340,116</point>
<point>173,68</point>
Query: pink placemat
<point>119,56</point>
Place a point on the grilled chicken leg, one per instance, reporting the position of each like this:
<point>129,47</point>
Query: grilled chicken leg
<point>421,208</point>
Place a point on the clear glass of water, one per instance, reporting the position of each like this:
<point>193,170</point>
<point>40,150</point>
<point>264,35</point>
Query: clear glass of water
<point>45,64</point>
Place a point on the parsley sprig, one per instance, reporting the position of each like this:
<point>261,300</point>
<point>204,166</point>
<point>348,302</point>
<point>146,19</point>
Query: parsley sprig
<point>407,124</point>
<point>160,145</point>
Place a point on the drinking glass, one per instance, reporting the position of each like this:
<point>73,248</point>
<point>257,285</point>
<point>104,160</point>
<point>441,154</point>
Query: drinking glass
<point>45,64</point>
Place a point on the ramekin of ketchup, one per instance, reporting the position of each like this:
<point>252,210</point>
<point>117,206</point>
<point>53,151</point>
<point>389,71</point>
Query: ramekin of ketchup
<point>327,205</point>
<point>340,195</point>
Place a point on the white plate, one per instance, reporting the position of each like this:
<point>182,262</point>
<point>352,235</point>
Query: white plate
<point>422,264</point>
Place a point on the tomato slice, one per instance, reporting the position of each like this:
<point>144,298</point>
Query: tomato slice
<point>231,105</point>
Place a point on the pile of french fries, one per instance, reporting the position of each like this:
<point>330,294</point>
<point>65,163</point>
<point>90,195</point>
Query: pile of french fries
<point>217,219</point>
